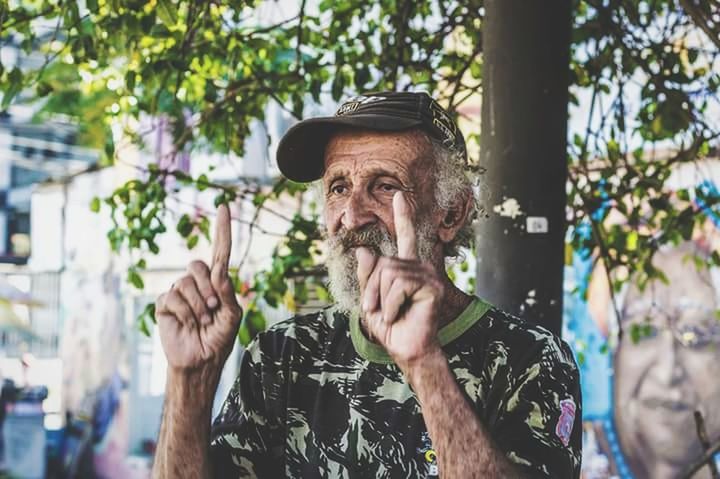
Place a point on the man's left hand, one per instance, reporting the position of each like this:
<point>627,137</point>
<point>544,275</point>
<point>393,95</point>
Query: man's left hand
<point>400,296</point>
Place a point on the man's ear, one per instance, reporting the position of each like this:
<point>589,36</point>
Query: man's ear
<point>453,219</point>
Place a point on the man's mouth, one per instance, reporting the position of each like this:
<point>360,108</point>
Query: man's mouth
<point>350,248</point>
<point>666,404</point>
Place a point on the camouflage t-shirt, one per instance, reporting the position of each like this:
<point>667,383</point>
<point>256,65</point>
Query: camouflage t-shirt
<point>314,398</point>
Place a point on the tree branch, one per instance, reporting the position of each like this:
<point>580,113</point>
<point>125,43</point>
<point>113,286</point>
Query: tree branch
<point>461,73</point>
<point>704,460</point>
<point>400,39</point>
<point>28,18</point>
<point>702,435</point>
<point>298,53</point>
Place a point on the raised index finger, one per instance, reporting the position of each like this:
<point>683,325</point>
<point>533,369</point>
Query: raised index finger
<point>366,263</point>
<point>222,243</point>
<point>404,228</point>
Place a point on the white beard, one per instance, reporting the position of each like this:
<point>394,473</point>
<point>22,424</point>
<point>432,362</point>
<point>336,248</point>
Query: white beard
<point>341,262</point>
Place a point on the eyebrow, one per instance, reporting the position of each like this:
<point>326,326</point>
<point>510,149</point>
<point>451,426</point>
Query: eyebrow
<point>332,179</point>
<point>685,306</point>
<point>341,173</point>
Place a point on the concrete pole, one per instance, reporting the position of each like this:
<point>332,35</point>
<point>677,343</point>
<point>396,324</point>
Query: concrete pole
<point>526,49</point>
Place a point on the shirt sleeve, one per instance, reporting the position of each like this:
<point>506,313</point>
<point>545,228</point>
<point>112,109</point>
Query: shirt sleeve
<point>244,436</point>
<point>539,424</point>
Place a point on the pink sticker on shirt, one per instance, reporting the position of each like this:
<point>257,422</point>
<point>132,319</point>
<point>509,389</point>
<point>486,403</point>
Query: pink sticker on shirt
<point>564,426</point>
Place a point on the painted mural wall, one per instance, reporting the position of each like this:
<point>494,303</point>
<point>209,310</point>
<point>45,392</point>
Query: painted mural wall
<point>650,363</point>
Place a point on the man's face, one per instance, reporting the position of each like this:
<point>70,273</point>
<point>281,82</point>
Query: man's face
<point>363,170</point>
<point>662,379</point>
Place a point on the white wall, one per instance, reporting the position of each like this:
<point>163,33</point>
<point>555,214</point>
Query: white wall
<point>46,220</point>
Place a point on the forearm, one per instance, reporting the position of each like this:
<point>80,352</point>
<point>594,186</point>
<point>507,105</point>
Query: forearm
<point>182,449</point>
<point>463,445</point>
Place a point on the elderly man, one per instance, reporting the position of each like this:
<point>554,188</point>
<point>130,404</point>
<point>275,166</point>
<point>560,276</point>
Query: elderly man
<point>405,376</point>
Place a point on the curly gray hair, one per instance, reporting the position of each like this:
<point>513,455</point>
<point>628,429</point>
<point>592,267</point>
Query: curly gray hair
<point>454,181</point>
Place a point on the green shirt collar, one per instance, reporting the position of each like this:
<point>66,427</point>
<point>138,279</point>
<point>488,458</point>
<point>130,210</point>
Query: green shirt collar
<point>448,333</point>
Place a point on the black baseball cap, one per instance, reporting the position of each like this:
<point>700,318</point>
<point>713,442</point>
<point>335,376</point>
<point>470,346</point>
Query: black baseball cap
<point>301,151</point>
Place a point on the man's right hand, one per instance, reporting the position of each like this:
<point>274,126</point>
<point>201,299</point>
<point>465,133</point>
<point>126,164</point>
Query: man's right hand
<point>199,316</point>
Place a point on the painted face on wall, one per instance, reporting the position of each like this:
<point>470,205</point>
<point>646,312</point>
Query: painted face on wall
<point>669,370</point>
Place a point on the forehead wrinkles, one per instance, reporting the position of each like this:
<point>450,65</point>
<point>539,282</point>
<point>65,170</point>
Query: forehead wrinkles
<point>411,144</point>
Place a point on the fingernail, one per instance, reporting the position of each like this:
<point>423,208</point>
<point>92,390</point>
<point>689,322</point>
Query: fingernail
<point>212,302</point>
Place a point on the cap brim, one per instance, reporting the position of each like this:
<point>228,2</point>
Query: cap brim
<point>301,152</point>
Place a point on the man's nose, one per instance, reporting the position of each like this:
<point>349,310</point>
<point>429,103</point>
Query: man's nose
<point>670,368</point>
<point>358,211</point>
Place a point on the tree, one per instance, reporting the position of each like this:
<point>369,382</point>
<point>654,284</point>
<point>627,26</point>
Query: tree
<point>652,74</point>
<point>648,68</point>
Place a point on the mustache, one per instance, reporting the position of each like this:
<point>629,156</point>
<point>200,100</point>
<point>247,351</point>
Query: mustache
<point>372,236</point>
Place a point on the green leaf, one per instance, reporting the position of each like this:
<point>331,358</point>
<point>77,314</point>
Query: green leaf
<point>192,241</point>
<point>109,149</point>
<point>647,330</point>
<point>15,80</point>
<point>204,227</point>
<point>338,86</point>
<point>581,358</point>
<point>631,241</point>
<point>244,333</point>
<point>476,69</point>
<point>322,293</point>
<point>150,312</point>
<point>166,12</point>
<point>202,182</point>
<point>635,333</point>
<point>256,320</point>
<point>184,226</point>
<point>135,279</point>
<point>143,327</point>
<point>95,205</point>
<point>130,78</point>
<point>715,258</point>
<point>362,75</point>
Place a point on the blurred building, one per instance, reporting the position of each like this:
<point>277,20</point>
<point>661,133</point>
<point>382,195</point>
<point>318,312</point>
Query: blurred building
<point>112,376</point>
<point>105,378</point>
<point>31,323</point>
<point>31,154</point>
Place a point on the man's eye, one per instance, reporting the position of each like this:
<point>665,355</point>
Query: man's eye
<point>387,187</point>
<point>338,189</point>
